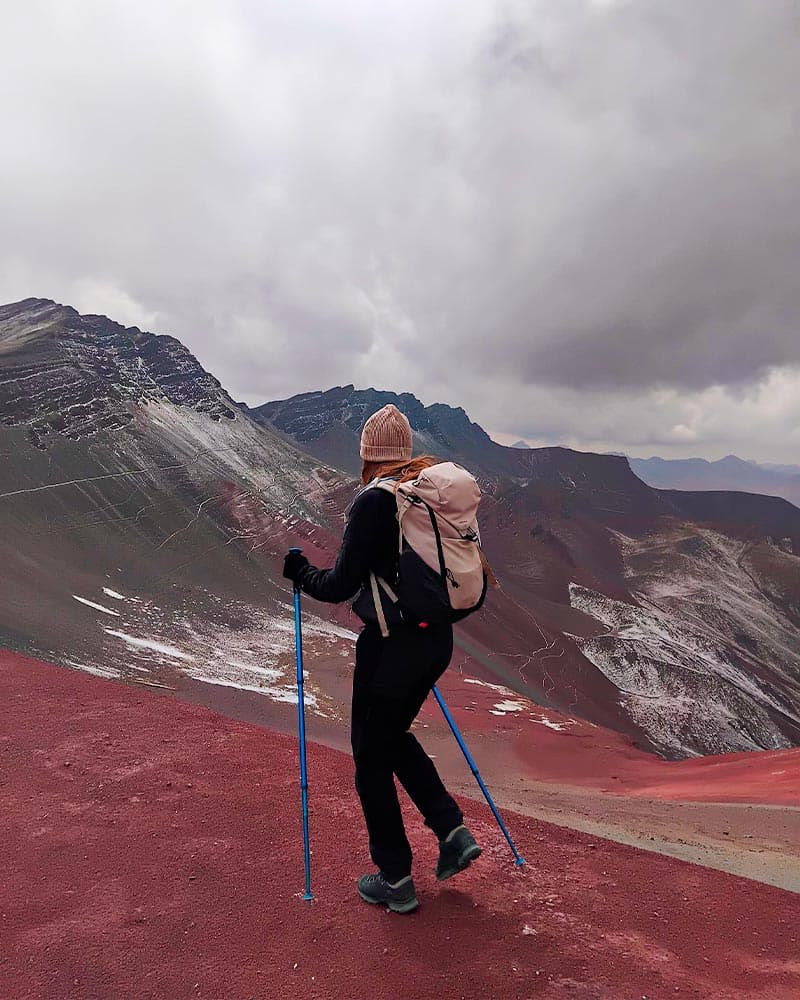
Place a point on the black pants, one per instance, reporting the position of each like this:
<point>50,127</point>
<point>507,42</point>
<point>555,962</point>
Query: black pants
<point>392,679</point>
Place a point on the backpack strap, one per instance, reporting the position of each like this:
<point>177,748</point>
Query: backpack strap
<point>387,484</point>
<point>401,510</point>
<point>411,499</point>
<point>487,569</point>
<point>438,536</point>
<point>387,590</point>
<point>376,582</point>
<point>376,597</point>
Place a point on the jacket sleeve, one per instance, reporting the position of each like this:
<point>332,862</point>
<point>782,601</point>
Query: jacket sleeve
<point>353,563</point>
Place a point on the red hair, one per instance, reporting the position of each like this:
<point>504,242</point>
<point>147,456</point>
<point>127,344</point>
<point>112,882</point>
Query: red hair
<point>403,471</point>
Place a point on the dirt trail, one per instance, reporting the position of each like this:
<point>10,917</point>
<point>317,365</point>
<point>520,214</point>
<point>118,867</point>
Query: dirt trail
<point>715,834</point>
<point>151,849</point>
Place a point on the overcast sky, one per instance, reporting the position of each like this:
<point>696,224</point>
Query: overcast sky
<point>580,220</point>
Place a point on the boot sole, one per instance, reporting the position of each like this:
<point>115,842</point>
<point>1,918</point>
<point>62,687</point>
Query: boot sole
<point>407,906</point>
<point>464,860</point>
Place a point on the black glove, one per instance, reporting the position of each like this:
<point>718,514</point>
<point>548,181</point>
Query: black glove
<point>293,565</point>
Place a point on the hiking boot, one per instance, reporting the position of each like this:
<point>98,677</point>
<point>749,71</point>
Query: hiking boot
<point>400,897</point>
<point>456,852</point>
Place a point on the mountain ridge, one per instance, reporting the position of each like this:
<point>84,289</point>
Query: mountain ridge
<point>326,423</point>
<point>77,374</point>
<point>730,473</point>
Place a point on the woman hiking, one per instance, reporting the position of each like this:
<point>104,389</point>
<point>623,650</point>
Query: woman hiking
<point>393,675</point>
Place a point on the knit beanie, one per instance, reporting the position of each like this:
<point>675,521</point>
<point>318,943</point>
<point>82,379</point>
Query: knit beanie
<point>386,436</point>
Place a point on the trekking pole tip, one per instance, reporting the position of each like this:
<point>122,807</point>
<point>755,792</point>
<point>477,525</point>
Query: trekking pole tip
<point>308,896</point>
<point>518,861</point>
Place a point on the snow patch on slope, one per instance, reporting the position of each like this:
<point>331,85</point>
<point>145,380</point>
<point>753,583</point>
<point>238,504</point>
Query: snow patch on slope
<point>504,707</point>
<point>97,607</point>
<point>236,449</point>
<point>559,727</point>
<point>158,647</point>
<point>230,644</point>
<point>493,687</point>
<point>513,704</point>
<point>215,673</point>
<point>109,673</point>
<point>683,673</point>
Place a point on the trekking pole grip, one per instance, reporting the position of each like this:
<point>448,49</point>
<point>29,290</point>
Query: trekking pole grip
<point>296,586</point>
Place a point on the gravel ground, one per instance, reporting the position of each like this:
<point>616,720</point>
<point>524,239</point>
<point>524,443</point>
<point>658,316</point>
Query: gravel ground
<point>151,849</point>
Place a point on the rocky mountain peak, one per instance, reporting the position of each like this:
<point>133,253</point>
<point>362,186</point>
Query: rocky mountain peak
<point>329,422</point>
<point>75,375</point>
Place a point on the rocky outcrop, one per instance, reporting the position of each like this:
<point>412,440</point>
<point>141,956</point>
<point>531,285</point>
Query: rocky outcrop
<point>310,417</point>
<point>75,375</point>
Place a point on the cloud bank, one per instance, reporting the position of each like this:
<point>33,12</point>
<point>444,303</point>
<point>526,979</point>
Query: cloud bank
<point>579,220</point>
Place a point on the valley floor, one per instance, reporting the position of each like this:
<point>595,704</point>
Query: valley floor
<point>151,849</point>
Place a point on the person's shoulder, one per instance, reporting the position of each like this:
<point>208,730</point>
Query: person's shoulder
<point>373,499</point>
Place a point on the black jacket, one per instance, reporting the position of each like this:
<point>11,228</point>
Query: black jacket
<point>370,545</point>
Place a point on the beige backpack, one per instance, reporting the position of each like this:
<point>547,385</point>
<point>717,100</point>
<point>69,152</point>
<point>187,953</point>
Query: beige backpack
<point>442,574</point>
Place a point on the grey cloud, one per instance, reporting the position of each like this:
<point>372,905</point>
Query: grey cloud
<point>670,255</point>
<point>756,421</point>
<point>561,200</point>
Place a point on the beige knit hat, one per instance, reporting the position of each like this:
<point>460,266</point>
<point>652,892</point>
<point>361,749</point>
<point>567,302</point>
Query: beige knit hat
<point>386,436</point>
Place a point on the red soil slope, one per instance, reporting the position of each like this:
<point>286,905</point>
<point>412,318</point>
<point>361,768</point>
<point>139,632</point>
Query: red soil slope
<point>151,849</point>
<point>549,746</point>
<point>766,776</point>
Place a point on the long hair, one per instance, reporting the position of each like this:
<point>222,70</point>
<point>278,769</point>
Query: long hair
<point>402,471</point>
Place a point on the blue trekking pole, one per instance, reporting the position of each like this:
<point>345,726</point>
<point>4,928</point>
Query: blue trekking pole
<point>301,721</point>
<point>517,859</point>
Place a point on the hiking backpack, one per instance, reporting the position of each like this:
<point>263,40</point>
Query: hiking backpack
<point>442,572</point>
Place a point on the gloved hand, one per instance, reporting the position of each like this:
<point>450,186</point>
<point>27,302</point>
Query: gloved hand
<point>293,565</point>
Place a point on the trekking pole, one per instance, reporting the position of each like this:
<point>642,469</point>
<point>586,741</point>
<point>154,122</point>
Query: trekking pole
<point>301,722</point>
<point>518,860</point>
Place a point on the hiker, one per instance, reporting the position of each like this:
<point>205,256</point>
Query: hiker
<point>397,664</point>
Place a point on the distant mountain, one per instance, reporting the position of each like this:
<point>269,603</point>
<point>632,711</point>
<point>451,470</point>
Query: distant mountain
<point>520,444</point>
<point>788,470</point>
<point>729,473</point>
<point>329,423</point>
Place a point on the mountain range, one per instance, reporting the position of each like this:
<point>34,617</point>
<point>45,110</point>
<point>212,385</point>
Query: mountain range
<point>144,514</point>
<point>662,593</point>
<point>729,473</point>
